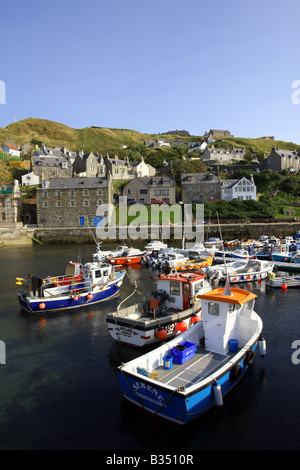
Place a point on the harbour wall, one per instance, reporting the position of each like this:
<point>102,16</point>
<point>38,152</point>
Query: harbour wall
<point>229,231</point>
<point>24,236</point>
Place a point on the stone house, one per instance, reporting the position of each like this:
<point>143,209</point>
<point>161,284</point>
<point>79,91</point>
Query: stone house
<point>26,148</point>
<point>279,160</point>
<point>242,189</point>
<point>90,165</point>
<point>144,190</point>
<point>72,202</point>
<point>218,133</point>
<point>60,152</point>
<point>220,155</point>
<point>200,187</point>
<point>119,169</point>
<point>10,203</point>
<point>51,167</point>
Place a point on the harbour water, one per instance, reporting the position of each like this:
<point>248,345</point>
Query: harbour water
<point>59,386</point>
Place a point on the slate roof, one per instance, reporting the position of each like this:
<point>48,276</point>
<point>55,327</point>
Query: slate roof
<point>199,178</point>
<point>73,183</point>
<point>49,161</point>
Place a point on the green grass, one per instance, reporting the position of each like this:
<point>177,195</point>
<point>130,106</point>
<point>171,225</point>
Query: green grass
<point>102,139</point>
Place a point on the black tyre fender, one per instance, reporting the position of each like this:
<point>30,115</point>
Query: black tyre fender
<point>249,356</point>
<point>236,372</point>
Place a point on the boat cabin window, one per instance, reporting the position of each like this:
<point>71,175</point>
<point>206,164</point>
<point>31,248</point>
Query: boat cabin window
<point>213,308</point>
<point>186,288</point>
<point>175,288</point>
<point>98,273</point>
<point>249,305</point>
<point>231,308</point>
<point>105,273</point>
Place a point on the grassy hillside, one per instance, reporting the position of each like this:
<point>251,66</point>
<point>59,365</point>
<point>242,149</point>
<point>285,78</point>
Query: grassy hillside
<point>102,139</point>
<point>53,134</point>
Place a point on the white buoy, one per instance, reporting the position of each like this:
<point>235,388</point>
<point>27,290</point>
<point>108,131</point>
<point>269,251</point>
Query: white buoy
<point>218,394</point>
<point>262,348</point>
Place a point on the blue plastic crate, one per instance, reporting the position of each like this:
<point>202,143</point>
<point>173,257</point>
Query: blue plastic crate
<point>184,353</point>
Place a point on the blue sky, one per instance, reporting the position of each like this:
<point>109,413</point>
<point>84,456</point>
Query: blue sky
<point>153,65</point>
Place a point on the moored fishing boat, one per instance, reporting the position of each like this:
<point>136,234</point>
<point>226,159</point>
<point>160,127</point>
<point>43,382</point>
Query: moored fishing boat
<point>281,253</point>
<point>242,271</point>
<point>127,257</point>
<point>98,282</point>
<point>155,245</point>
<point>174,306</point>
<point>182,379</point>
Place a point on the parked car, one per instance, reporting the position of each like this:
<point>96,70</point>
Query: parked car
<point>156,201</point>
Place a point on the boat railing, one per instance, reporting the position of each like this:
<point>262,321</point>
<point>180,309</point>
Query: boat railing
<point>72,288</point>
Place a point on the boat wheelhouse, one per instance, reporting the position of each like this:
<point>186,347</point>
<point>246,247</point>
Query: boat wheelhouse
<point>174,306</point>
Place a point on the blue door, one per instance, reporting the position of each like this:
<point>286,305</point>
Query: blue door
<point>98,221</point>
<point>81,220</point>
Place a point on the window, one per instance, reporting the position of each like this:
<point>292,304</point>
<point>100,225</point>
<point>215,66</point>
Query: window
<point>186,288</point>
<point>72,203</point>
<point>72,192</point>
<point>86,192</point>
<point>231,308</point>
<point>143,191</point>
<point>99,202</point>
<point>175,288</point>
<point>57,203</point>
<point>45,204</point>
<point>99,192</point>
<point>213,308</point>
<point>45,193</point>
<point>85,203</point>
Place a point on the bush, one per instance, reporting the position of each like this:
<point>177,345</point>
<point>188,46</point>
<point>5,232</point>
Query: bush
<point>249,209</point>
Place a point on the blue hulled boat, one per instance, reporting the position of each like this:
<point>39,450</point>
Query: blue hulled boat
<point>182,379</point>
<point>93,283</point>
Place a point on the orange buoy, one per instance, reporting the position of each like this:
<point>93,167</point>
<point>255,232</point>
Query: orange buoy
<point>195,318</point>
<point>161,333</point>
<point>75,298</point>
<point>181,326</point>
<point>284,287</point>
<point>42,305</point>
<point>90,296</point>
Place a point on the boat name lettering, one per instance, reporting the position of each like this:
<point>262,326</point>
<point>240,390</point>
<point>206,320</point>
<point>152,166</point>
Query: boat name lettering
<point>138,386</point>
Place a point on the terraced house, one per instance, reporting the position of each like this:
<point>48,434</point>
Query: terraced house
<point>145,190</point>
<point>200,187</point>
<point>72,202</point>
